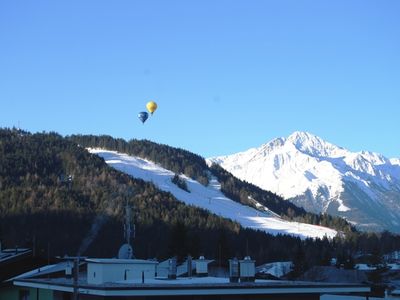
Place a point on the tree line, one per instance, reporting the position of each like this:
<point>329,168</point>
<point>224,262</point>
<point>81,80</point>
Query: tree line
<point>52,189</point>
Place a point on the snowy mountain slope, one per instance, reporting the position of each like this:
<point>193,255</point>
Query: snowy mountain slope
<point>210,197</point>
<point>363,187</point>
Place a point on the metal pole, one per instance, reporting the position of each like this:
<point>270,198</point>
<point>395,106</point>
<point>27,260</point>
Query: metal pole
<point>76,278</point>
<point>48,253</point>
<point>189,266</point>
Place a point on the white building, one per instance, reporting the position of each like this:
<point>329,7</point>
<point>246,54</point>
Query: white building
<point>100,271</point>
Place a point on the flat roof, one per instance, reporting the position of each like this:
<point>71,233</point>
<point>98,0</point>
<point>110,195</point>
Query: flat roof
<point>119,261</point>
<point>192,286</point>
<point>9,254</point>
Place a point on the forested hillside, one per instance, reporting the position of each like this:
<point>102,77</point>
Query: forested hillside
<point>249,194</point>
<point>174,159</point>
<point>52,191</point>
<point>194,166</point>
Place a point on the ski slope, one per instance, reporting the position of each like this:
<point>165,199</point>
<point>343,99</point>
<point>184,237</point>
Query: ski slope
<point>210,198</point>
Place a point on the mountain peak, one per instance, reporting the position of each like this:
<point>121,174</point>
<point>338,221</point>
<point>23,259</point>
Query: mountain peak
<point>324,178</point>
<point>312,144</point>
<point>302,136</point>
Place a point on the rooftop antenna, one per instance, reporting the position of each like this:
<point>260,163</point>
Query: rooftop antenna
<point>127,225</point>
<point>126,250</point>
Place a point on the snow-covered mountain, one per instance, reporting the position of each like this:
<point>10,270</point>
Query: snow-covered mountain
<point>363,187</point>
<point>210,198</point>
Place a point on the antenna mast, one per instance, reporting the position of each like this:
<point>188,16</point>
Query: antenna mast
<point>127,225</point>
<point>126,250</point>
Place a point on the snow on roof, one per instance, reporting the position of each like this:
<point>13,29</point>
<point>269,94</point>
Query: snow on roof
<point>42,270</point>
<point>6,254</point>
<point>277,269</point>
<point>364,267</point>
<point>179,280</point>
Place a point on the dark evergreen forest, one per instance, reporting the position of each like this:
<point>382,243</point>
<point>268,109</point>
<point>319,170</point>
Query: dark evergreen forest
<point>52,191</point>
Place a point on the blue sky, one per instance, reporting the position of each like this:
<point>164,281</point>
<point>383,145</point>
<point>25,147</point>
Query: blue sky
<point>227,75</point>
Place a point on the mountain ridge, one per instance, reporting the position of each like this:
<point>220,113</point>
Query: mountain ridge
<point>320,177</point>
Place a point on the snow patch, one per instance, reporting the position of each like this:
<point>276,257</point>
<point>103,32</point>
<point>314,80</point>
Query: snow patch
<point>342,207</point>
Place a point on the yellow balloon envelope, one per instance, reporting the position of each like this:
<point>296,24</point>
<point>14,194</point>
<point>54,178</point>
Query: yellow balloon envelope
<point>151,106</point>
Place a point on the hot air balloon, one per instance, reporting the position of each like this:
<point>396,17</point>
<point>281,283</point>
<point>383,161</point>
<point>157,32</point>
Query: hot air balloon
<point>151,107</point>
<point>143,116</point>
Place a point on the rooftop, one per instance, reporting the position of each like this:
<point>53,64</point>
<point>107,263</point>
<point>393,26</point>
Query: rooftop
<point>10,254</point>
<point>190,286</point>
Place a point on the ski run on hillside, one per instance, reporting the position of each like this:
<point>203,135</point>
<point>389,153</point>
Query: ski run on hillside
<point>210,198</point>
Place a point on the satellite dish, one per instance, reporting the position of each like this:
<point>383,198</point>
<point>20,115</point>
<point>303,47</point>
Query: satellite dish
<point>125,252</point>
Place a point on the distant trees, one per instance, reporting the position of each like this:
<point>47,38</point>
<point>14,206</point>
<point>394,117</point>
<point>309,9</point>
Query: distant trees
<point>177,160</point>
<point>40,207</point>
<point>300,264</point>
<point>250,194</point>
<point>38,200</point>
<point>181,183</point>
